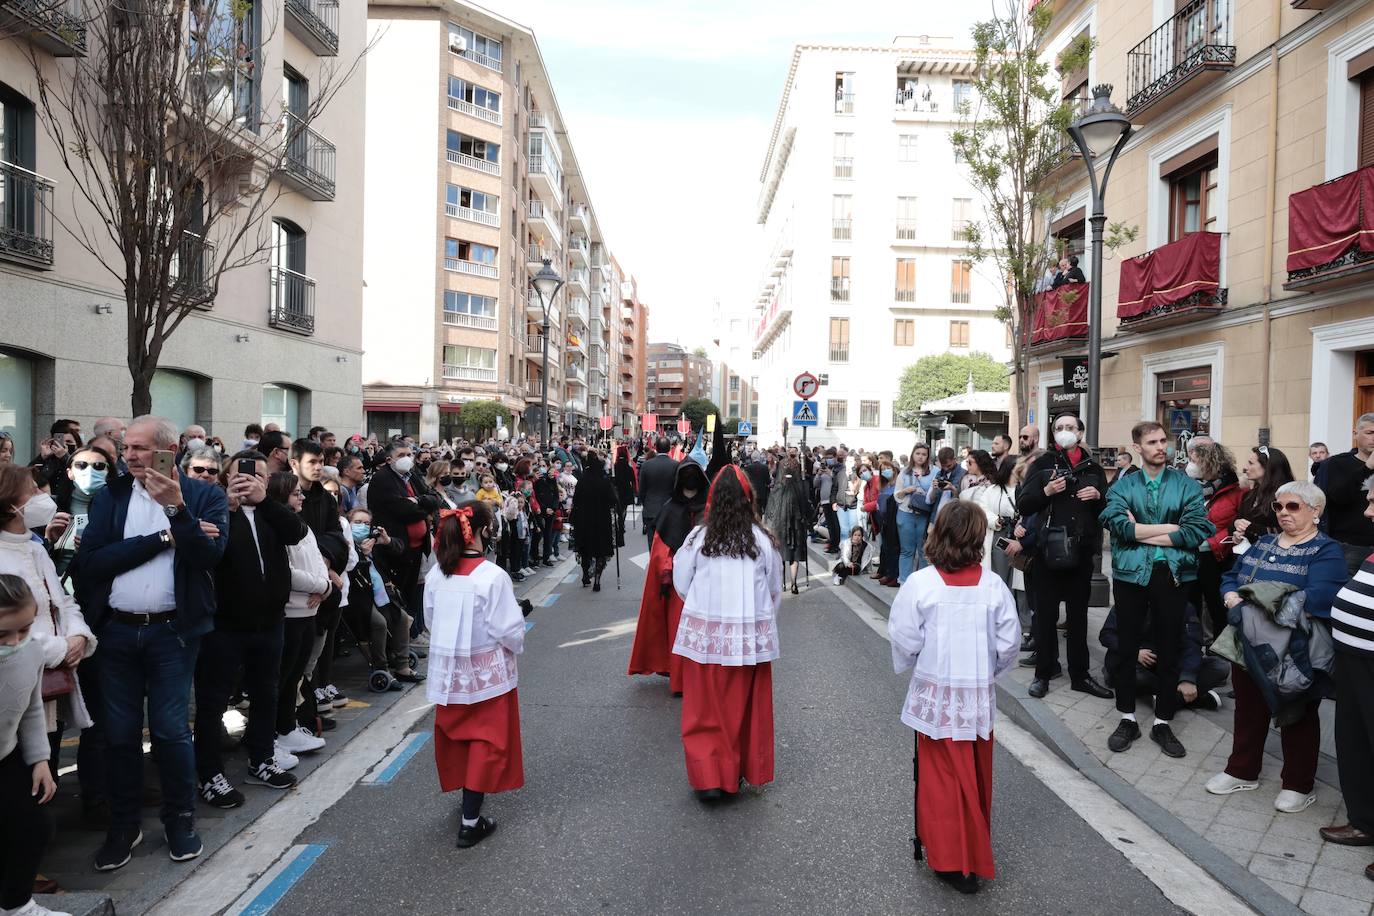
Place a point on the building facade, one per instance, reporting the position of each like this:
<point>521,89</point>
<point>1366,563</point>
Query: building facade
<point>864,211</point>
<point>1243,309</point>
<point>474,184</point>
<point>282,339</point>
<point>733,387</point>
<point>673,377</point>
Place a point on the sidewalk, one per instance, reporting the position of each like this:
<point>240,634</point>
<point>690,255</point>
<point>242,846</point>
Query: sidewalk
<point>151,875</point>
<point>1272,861</point>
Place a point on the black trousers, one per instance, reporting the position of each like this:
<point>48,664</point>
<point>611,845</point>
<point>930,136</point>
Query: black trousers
<point>327,624</point>
<point>90,753</point>
<point>222,654</point>
<point>1355,736</point>
<point>1206,592</point>
<point>25,831</point>
<point>1071,588</point>
<point>1210,676</point>
<point>832,524</point>
<point>298,638</point>
<point>1163,601</point>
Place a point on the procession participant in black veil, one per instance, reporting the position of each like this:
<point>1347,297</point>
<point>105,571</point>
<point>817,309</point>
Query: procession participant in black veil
<point>594,513</point>
<point>626,487</point>
<point>788,517</point>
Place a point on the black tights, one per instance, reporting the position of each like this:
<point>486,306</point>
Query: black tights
<point>472,804</point>
<point>25,831</point>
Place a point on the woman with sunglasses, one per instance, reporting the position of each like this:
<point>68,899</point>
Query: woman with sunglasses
<point>1302,557</point>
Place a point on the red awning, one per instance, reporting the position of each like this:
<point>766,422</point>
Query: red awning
<point>1169,274</point>
<point>391,406</point>
<point>1327,220</point>
<point>1060,314</point>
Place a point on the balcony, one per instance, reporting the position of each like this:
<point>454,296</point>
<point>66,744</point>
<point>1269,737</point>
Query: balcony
<point>308,163</point>
<point>844,167</point>
<point>578,276</point>
<point>842,229</point>
<point>905,230</point>
<point>56,26</point>
<point>468,214</point>
<point>535,312</point>
<point>191,270</point>
<point>577,309</point>
<point>578,248</point>
<point>453,319</point>
<point>25,216</point>
<point>1174,284</point>
<point>904,295</point>
<point>543,219</point>
<point>316,24</point>
<point>1331,233</point>
<point>1060,319</point>
<point>545,176</point>
<point>1067,161</point>
<point>474,111</point>
<point>291,301</point>
<point>576,376</point>
<point>844,102</point>
<point>839,352</point>
<point>577,343</point>
<point>485,166</point>
<point>471,268</point>
<point>959,230</point>
<point>1191,49</point>
<point>580,218</point>
<point>536,255</point>
<point>468,373</point>
<point>534,347</point>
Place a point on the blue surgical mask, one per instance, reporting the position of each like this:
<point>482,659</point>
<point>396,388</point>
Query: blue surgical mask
<point>887,473</point>
<point>360,532</point>
<point>7,651</point>
<point>866,475</point>
<point>89,479</point>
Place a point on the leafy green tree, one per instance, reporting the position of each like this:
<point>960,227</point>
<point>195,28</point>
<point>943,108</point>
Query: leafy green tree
<point>933,377</point>
<point>699,351</point>
<point>697,410</point>
<point>481,416</point>
<point>732,426</point>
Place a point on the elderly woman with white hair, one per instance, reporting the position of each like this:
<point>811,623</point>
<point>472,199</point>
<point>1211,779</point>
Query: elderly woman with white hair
<point>1302,557</point>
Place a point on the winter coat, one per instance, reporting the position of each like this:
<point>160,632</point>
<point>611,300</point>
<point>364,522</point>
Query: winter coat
<point>1286,650</point>
<point>1180,503</point>
<point>1222,507</point>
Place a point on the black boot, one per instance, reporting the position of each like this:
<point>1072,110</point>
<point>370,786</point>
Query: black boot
<point>596,583</point>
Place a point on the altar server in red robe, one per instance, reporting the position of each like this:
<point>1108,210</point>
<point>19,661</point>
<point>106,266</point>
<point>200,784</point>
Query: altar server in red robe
<point>729,575</point>
<point>955,623</point>
<point>476,629</point>
<point>661,607</point>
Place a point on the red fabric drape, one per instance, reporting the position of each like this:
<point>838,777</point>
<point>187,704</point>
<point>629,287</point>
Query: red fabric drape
<point>1060,313</point>
<point>1326,220</point>
<point>1169,274</point>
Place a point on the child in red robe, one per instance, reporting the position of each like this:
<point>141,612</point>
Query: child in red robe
<point>476,629</point>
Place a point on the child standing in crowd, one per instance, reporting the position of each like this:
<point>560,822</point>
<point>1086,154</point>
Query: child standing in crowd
<point>476,630</point>
<point>26,782</point>
<point>955,623</point>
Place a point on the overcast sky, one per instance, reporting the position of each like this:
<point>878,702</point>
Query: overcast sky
<point>669,106</point>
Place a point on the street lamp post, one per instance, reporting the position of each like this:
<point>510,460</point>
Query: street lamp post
<point>1100,130</point>
<point>546,283</point>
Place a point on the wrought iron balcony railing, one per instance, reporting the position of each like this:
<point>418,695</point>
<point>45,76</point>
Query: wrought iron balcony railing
<point>57,26</point>
<point>1194,40</point>
<point>291,301</point>
<point>191,270</point>
<point>25,216</point>
<point>316,24</point>
<point>308,165</point>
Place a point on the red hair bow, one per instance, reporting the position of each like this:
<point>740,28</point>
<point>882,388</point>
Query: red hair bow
<point>464,521</point>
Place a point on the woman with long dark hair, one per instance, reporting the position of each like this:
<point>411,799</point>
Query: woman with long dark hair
<point>913,510</point>
<point>593,518</point>
<point>1267,469</point>
<point>730,577</point>
<point>476,629</point>
<point>987,489</point>
<point>788,515</point>
<point>660,608</point>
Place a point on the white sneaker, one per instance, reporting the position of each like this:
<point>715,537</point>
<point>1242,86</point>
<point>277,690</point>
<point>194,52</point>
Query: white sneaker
<point>836,580</point>
<point>300,741</point>
<point>1225,784</point>
<point>284,759</point>
<point>1290,802</point>
<point>34,908</point>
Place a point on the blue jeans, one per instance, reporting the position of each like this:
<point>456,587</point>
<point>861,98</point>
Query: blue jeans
<point>911,530</point>
<point>155,664</point>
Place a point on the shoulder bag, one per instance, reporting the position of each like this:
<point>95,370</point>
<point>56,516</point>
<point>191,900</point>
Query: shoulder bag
<point>59,681</point>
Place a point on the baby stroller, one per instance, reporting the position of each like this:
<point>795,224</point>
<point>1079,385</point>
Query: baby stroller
<point>381,679</point>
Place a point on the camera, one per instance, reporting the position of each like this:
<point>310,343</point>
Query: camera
<point>375,532</point>
<point>1069,478</point>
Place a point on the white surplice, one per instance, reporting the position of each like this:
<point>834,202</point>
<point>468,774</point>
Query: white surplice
<point>476,629</point>
<point>730,604</point>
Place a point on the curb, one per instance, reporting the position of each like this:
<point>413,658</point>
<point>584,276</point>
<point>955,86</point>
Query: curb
<point>78,904</point>
<point>1035,718</point>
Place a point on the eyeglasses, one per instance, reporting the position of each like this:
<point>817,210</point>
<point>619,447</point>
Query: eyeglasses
<point>82,465</point>
<point>1290,508</point>
<point>208,471</point>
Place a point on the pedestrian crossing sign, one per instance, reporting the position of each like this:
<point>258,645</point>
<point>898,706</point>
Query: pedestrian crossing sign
<point>745,430</point>
<point>803,413</point>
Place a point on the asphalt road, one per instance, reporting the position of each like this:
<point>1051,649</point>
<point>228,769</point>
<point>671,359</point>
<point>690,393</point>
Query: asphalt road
<point>606,822</point>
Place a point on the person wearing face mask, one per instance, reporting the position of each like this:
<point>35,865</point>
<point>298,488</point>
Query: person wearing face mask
<point>86,475</point>
<point>1066,487</point>
<point>1212,465</point>
<point>403,508</point>
<point>546,493</point>
<point>192,439</point>
<point>371,610</point>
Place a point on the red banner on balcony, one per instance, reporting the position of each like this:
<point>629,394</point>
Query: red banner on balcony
<point>1169,274</point>
<point>1060,314</point>
<point>1326,220</point>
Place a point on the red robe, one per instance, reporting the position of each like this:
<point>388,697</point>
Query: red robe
<point>727,724</point>
<point>658,620</point>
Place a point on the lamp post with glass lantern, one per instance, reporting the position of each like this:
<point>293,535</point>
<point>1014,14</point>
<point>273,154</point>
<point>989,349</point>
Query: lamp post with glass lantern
<point>1100,130</point>
<point>546,284</point>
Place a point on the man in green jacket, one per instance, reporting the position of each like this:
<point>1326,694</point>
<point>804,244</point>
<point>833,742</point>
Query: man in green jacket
<point>1157,520</point>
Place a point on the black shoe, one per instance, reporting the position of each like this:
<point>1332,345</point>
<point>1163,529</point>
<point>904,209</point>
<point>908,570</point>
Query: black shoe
<point>270,775</point>
<point>1163,735</point>
<point>409,677</point>
<point>1126,732</point>
<point>1208,699</point>
<point>1039,687</point>
<point>708,796</point>
<point>596,584</point>
<point>217,793</point>
<point>117,849</point>
<point>1028,661</point>
<point>182,842</point>
<point>1091,687</point>
<point>964,884</point>
<point>548,562</point>
<point>471,836</point>
<point>1028,643</point>
<point>586,580</point>
<point>794,589</point>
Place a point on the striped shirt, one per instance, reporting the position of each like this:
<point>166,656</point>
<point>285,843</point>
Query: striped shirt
<point>1352,613</point>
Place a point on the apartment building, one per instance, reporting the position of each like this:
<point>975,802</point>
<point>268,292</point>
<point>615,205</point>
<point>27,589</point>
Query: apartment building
<point>864,211</point>
<point>281,341</point>
<point>473,185</point>
<point>633,352</point>
<point>1243,310</point>
<point>733,388</point>
<point>673,377</point>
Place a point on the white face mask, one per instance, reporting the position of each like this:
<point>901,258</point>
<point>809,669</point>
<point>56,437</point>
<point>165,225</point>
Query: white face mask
<point>403,465</point>
<point>1065,438</point>
<point>7,651</point>
<point>1192,470</point>
<point>194,443</point>
<point>39,511</point>
<point>250,443</point>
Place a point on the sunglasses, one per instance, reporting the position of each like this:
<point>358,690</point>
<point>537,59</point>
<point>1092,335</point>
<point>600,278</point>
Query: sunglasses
<point>201,469</point>
<point>1290,508</point>
<point>82,465</point>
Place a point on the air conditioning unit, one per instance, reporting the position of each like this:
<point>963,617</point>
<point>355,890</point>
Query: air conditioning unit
<point>457,43</point>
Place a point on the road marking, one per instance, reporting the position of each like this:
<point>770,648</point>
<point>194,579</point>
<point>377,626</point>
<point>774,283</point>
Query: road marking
<point>550,599</point>
<point>392,764</point>
<point>529,625</point>
<point>1182,881</point>
<point>622,628</point>
<point>269,890</point>
<point>641,560</point>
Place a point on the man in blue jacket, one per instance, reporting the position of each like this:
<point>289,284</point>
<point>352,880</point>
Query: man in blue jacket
<point>145,580</point>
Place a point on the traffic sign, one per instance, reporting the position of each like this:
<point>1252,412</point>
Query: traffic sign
<point>803,413</point>
<point>806,385</point>
<point>745,429</point>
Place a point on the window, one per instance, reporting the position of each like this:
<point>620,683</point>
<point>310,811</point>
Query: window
<point>839,340</point>
<point>906,148</point>
<point>960,281</point>
<point>963,93</point>
<point>477,364</point>
<point>465,203</point>
<point>469,310</point>
<point>288,246</point>
<point>844,156</point>
<point>844,93</point>
<point>471,146</point>
<point>1185,400</point>
<point>469,251</point>
<point>1192,199</point>
<point>474,46</point>
<point>16,403</point>
<point>476,96</point>
<point>868,413</point>
<point>734,383</point>
<point>904,332</point>
<point>1365,153</point>
<point>174,396</point>
<point>906,280</point>
<point>962,218</point>
<point>229,32</point>
<point>839,279</point>
<point>281,405</point>
<point>842,216</point>
<point>1364,382</point>
<point>25,198</point>
<point>17,130</point>
<point>906,218</point>
<point>836,413</point>
<point>958,334</point>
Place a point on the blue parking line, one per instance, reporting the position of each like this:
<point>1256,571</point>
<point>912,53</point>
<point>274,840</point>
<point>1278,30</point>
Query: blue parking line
<point>529,625</point>
<point>549,600</point>
<point>416,742</point>
<point>282,884</point>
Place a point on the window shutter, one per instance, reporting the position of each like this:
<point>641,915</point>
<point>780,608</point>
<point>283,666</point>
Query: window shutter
<point>1366,120</point>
